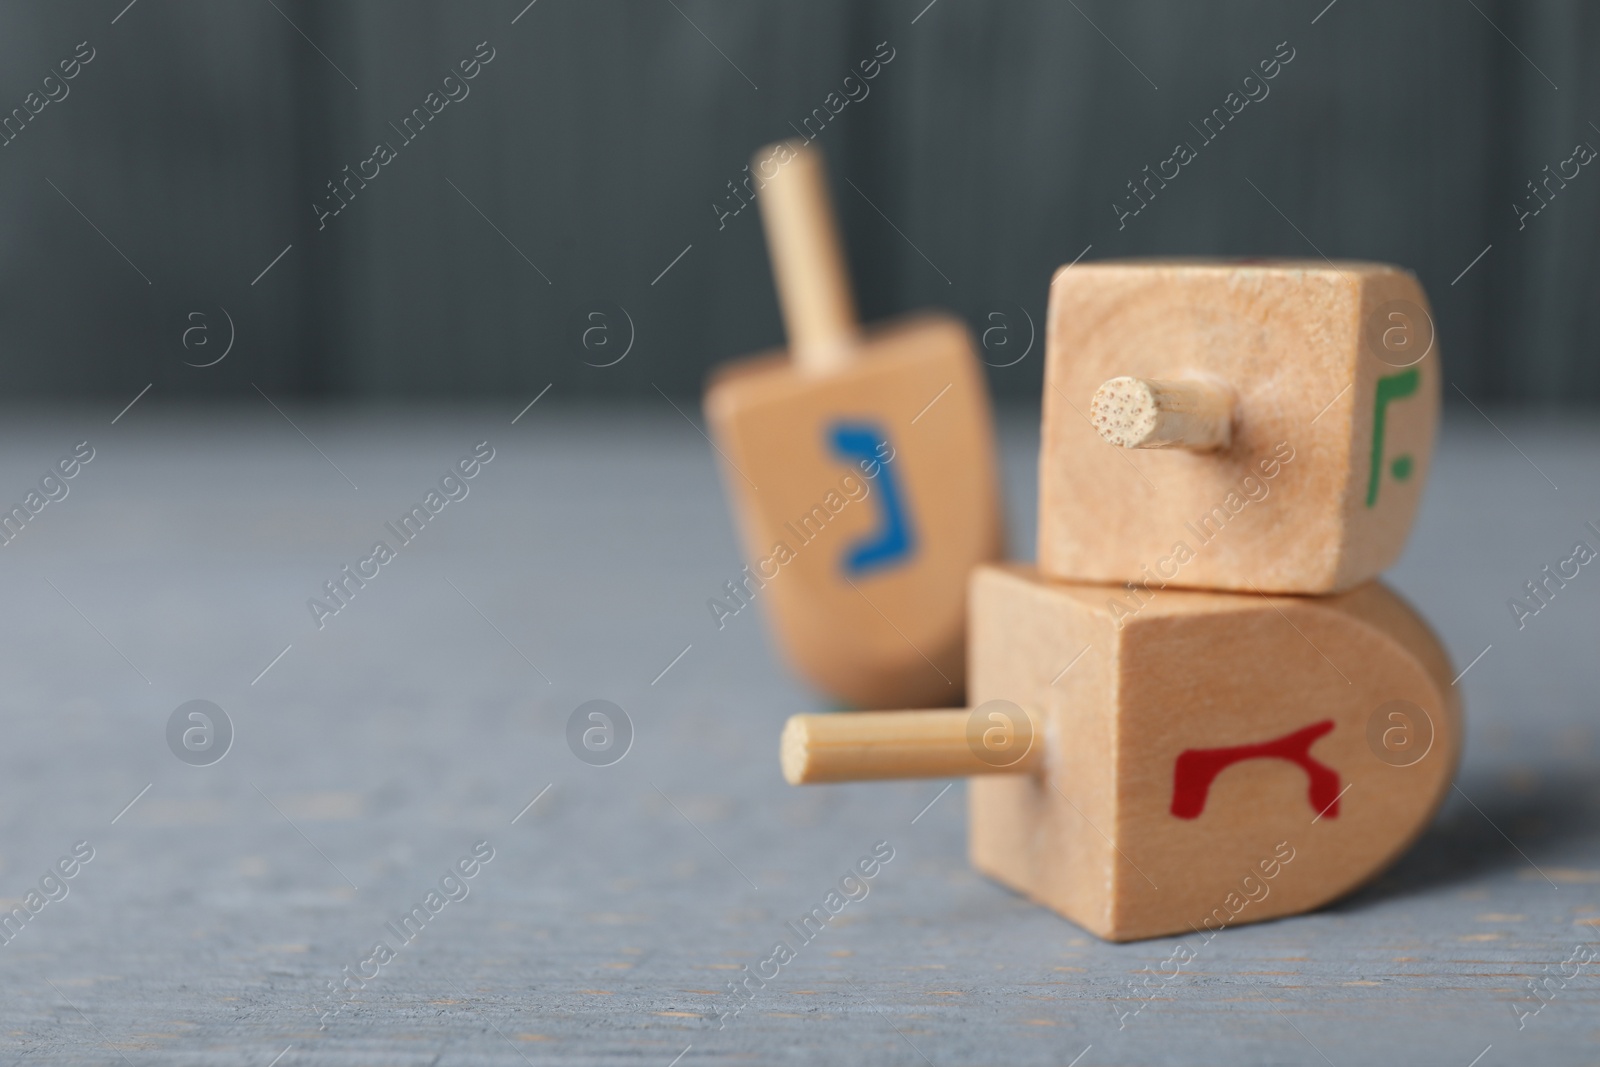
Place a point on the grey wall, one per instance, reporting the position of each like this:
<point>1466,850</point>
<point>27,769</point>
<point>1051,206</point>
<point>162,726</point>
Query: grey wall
<point>602,133</point>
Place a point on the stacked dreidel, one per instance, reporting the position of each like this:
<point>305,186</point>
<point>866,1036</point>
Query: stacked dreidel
<point>1238,722</point>
<point>861,468</point>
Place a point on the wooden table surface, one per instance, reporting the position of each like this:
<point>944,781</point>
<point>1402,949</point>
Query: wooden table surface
<point>373,754</point>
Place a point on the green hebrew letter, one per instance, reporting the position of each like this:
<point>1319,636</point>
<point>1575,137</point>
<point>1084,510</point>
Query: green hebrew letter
<point>1394,387</point>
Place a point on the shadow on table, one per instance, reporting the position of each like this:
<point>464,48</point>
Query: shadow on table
<point>1544,815</point>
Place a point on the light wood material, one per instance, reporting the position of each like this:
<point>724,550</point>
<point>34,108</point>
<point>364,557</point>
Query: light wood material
<point>893,637</point>
<point>1101,825</point>
<point>1309,496</point>
<point>885,630</point>
<point>905,744</point>
<point>808,263</point>
<point>1188,413</point>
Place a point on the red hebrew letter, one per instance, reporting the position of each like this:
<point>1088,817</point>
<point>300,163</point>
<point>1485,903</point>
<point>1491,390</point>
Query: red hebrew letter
<point>1197,768</point>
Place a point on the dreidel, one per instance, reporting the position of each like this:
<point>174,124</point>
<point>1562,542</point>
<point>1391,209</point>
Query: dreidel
<point>1212,760</point>
<point>1257,426</point>
<point>861,469</point>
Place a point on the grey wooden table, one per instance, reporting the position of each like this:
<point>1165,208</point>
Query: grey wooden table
<point>371,755</point>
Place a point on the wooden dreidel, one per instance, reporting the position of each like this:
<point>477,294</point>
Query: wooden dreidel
<point>861,467</point>
<point>1253,425</point>
<point>1214,759</point>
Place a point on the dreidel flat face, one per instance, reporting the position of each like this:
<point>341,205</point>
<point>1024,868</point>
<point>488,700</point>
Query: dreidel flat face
<point>1308,482</point>
<point>864,497</point>
<point>1212,759</point>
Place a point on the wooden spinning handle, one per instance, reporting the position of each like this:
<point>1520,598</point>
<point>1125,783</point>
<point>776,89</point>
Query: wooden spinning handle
<point>1142,413</point>
<point>864,746</point>
<point>808,261</point>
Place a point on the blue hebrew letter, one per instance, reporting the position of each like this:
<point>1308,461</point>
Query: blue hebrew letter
<point>894,541</point>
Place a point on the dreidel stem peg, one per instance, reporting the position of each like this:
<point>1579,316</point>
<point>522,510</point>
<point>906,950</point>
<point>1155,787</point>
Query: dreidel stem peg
<point>808,263</point>
<point>873,745</point>
<point>1190,413</point>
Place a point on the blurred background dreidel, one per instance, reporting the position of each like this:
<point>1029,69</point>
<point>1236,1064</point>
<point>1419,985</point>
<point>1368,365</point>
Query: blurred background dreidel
<point>1215,759</point>
<point>861,467</point>
<point>1180,394</point>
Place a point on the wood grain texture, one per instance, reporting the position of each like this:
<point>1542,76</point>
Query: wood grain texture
<point>1187,413</point>
<point>1096,837</point>
<point>1309,497</point>
<point>891,636</point>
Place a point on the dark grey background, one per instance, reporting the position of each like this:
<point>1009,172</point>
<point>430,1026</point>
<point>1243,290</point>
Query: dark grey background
<point>602,134</point>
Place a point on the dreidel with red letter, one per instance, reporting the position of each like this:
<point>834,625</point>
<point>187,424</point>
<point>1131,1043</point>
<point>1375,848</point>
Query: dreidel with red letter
<point>861,468</point>
<point>1181,394</point>
<point>1213,759</point>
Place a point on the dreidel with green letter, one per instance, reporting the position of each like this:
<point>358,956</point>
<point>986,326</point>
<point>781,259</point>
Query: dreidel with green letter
<point>1181,394</point>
